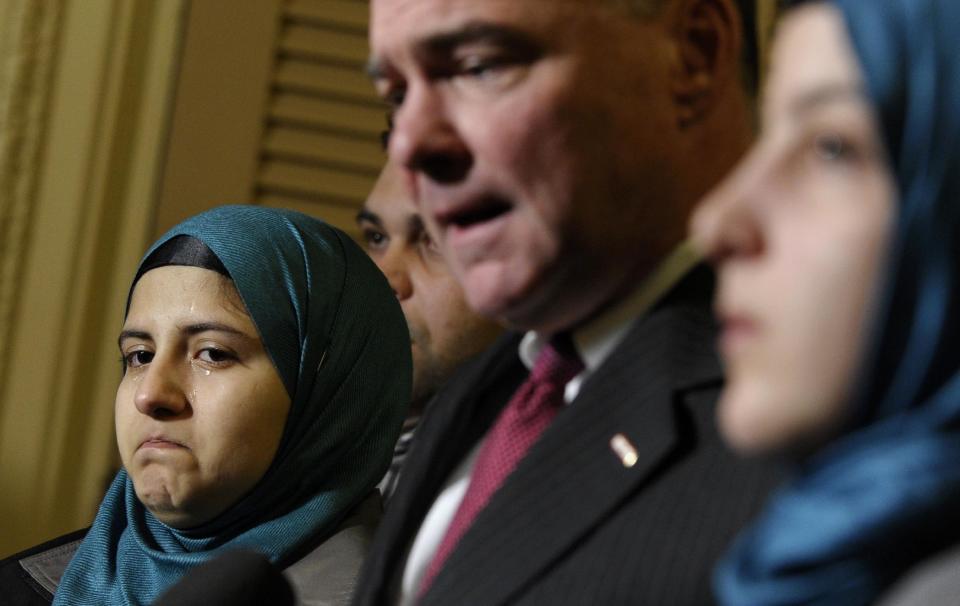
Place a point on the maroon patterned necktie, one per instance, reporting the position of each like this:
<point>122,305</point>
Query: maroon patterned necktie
<point>521,422</point>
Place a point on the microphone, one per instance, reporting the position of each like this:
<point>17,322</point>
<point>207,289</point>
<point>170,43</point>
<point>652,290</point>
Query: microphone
<point>236,578</point>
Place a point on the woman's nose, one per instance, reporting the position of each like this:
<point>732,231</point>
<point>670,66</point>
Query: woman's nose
<point>725,224</point>
<point>161,392</point>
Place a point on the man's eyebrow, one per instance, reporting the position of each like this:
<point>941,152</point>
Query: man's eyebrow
<point>415,224</point>
<point>826,94</point>
<point>480,31</point>
<point>472,32</point>
<point>369,217</point>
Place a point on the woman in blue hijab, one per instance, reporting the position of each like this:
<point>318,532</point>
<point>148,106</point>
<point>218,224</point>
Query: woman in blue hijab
<point>837,244</point>
<point>266,373</point>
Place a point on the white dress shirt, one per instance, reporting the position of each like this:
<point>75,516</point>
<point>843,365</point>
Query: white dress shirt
<point>594,342</point>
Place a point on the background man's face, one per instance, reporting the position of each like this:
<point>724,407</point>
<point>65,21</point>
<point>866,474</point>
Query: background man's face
<point>538,136</point>
<point>443,330</point>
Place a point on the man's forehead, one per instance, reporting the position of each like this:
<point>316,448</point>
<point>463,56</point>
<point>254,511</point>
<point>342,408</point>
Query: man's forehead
<point>411,22</point>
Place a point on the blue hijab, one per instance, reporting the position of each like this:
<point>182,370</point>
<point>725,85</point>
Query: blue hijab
<point>336,335</point>
<point>886,494</point>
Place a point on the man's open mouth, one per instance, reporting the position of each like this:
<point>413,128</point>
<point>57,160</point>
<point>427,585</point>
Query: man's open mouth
<point>481,212</point>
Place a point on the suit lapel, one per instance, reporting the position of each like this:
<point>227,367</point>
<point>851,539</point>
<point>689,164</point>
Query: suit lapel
<point>457,417</point>
<point>571,479</point>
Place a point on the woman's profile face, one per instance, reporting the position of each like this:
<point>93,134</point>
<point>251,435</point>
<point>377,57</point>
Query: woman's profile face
<point>201,408</point>
<point>798,233</point>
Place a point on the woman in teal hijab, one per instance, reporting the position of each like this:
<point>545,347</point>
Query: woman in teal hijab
<point>266,373</point>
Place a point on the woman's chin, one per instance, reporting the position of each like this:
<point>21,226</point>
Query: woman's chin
<point>158,498</point>
<point>756,418</point>
<point>746,422</point>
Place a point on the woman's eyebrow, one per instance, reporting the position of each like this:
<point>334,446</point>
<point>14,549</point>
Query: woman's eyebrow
<point>133,334</point>
<point>190,329</point>
<point>193,329</point>
<point>825,94</point>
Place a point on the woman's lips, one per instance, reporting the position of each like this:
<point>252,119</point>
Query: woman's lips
<point>736,334</point>
<point>160,442</point>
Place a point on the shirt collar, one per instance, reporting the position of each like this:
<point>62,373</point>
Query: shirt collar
<point>596,339</point>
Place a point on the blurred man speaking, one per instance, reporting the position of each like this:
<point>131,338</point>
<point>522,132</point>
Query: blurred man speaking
<point>555,149</point>
<point>444,331</point>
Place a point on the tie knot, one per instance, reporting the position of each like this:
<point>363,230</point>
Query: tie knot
<point>557,362</point>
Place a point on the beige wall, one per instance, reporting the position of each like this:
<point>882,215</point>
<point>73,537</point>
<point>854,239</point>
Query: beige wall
<point>85,93</point>
<point>273,108</point>
<point>222,87</point>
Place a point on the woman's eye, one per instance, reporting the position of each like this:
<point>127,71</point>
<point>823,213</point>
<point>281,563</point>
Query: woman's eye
<point>138,358</point>
<point>833,148</point>
<point>215,356</point>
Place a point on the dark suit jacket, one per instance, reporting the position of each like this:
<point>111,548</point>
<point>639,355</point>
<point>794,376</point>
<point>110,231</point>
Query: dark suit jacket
<point>572,524</point>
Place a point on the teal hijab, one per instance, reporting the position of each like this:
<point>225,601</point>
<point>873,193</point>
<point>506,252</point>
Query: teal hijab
<point>337,337</point>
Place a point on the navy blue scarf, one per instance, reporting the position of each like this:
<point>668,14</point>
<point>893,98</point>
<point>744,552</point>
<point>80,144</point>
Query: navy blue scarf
<point>335,332</point>
<point>886,494</point>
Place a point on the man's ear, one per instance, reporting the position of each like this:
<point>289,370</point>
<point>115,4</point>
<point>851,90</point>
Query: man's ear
<point>708,35</point>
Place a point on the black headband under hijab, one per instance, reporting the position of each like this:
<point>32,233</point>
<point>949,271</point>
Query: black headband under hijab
<point>182,250</point>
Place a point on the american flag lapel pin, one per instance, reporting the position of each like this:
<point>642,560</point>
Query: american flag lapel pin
<point>624,450</point>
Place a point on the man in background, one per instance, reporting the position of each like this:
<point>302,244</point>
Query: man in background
<point>444,331</point>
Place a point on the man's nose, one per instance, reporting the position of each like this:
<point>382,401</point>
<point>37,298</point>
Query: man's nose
<point>426,140</point>
<point>393,266</point>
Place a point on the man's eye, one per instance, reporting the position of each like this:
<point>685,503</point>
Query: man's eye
<point>482,67</point>
<point>478,67</point>
<point>428,244</point>
<point>394,97</point>
<point>138,358</point>
<point>374,240</point>
<point>491,76</point>
<point>391,90</point>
